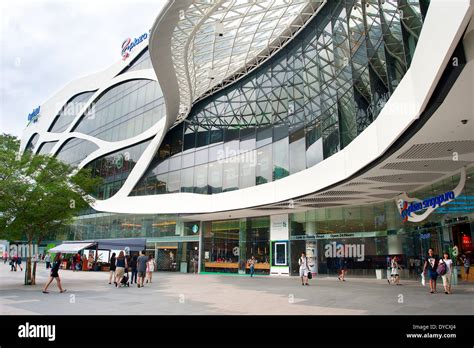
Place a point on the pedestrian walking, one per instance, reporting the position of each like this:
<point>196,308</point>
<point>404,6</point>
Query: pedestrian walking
<point>121,264</point>
<point>54,274</point>
<point>150,268</point>
<point>78,265</point>
<point>304,269</point>
<point>342,269</point>
<point>430,266</point>
<point>141,268</point>
<point>448,271</point>
<point>195,264</point>
<point>5,257</point>
<point>417,265</point>
<point>90,262</point>
<point>73,262</point>
<point>13,263</point>
<point>133,266</point>
<point>467,265</point>
<point>252,266</point>
<point>394,274</point>
<point>18,263</point>
<point>112,268</point>
<point>47,260</point>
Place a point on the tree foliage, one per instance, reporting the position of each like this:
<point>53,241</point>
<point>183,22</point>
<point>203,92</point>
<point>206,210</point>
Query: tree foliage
<point>38,193</point>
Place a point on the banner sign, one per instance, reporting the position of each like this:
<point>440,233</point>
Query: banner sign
<point>129,44</point>
<point>409,207</point>
<point>34,115</point>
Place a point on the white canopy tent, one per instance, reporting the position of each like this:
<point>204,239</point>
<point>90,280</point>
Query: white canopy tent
<point>70,248</point>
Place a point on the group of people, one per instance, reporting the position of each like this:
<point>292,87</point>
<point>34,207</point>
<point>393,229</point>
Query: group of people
<point>141,267</point>
<point>434,267</point>
<point>15,263</point>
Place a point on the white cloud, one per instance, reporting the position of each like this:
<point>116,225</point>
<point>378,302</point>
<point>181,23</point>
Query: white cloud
<point>46,44</point>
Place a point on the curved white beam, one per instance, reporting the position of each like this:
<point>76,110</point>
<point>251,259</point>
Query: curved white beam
<point>402,109</point>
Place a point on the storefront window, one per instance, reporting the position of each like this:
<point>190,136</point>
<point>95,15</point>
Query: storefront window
<point>229,244</point>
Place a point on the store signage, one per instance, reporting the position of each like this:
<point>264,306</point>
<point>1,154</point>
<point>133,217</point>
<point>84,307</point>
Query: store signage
<point>341,235</point>
<point>432,202</point>
<point>279,227</point>
<point>129,44</point>
<point>195,228</point>
<point>409,207</point>
<point>33,116</point>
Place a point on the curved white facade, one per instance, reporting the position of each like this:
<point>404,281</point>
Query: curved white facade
<point>175,46</point>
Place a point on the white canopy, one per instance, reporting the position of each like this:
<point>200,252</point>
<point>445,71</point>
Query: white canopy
<point>70,248</point>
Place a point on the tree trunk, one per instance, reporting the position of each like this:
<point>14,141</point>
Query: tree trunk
<point>33,279</point>
<point>33,276</point>
<point>28,280</point>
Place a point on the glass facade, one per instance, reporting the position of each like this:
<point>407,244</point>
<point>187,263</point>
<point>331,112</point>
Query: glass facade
<point>306,103</point>
<point>31,146</point>
<point>46,147</point>
<point>67,114</point>
<point>114,168</point>
<point>227,245</point>
<point>141,62</point>
<point>382,232</point>
<point>124,111</point>
<point>75,150</point>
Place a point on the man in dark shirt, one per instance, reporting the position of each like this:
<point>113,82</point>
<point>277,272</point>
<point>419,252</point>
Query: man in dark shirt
<point>141,268</point>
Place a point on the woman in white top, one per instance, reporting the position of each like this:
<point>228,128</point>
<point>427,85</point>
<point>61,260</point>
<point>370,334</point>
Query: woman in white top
<point>150,268</point>
<point>394,275</point>
<point>447,276</point>
<point>304,269</point>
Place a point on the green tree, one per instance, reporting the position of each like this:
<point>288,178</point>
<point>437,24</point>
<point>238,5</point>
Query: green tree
<point>39,195</point>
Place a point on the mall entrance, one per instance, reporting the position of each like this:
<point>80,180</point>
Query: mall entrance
<point>177,256</point>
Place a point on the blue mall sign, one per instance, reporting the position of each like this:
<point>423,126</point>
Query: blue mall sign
<point>128,45</point>
<point>33,116</point>
<point>432,202</point>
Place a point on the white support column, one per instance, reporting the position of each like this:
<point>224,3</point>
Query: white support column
<point>312,247</point>
<point>279,232</point>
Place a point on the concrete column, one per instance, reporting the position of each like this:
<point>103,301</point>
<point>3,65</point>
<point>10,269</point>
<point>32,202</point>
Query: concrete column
<point>312,247</point>
<point>243,257</point>
<point>200,246</point>
<point>394,242</point>
<point>179,228</point>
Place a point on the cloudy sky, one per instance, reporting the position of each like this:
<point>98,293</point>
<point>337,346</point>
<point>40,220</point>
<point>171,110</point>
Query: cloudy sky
<point>44,44</point>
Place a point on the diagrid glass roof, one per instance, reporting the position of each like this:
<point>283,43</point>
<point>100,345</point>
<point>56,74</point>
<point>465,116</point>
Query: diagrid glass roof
<point>215,42</point>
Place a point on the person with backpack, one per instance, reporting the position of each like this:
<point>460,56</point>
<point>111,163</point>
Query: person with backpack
<point>121,265</point>
<point>430,266</point>
<point>304,269</point>
<point>445,268</point>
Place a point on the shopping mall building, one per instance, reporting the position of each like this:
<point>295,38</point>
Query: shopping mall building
<point>234,128</point>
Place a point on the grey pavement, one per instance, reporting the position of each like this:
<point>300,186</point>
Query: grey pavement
<point>178,293</point>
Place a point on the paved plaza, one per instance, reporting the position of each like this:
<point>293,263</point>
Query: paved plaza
<point>178,293</point>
